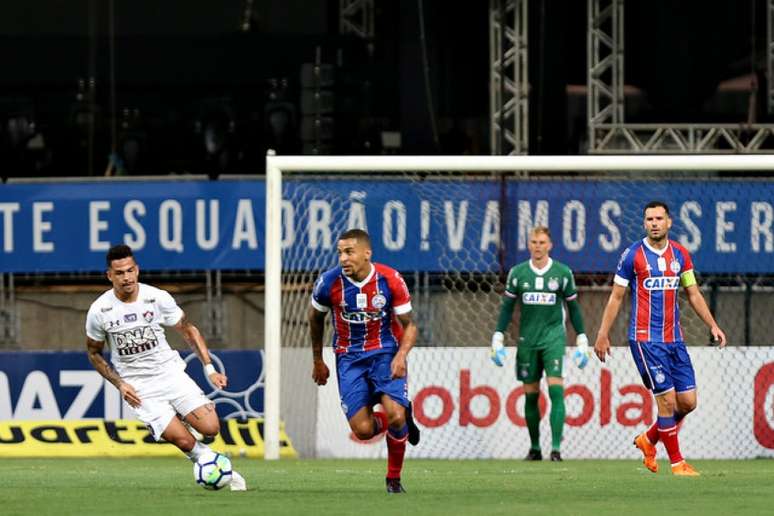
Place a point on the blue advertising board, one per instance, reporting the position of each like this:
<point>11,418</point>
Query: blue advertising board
<point>64,385</point>
<point>415,225</point>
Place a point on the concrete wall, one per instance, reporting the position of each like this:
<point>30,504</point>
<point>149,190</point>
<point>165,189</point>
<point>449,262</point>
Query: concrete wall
<point>53,318</point>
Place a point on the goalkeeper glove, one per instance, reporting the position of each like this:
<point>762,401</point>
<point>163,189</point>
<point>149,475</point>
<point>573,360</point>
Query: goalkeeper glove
<point>581,354</point>
<point>498,350</point>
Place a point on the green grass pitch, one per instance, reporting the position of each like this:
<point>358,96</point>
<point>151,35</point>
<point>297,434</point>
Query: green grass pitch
<point>340,487</point>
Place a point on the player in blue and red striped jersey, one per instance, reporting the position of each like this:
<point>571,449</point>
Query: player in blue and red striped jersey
<point>654,268</point>
<point>373,333</point>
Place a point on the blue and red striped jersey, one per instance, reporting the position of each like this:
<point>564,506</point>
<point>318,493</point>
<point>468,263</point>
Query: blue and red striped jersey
<point>364,313</point>
<point>654,276</point>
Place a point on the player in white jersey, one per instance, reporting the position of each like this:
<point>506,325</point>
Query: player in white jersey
<point>148,373</point>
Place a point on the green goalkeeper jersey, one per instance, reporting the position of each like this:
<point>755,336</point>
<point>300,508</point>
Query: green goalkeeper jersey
<point>542,294</point>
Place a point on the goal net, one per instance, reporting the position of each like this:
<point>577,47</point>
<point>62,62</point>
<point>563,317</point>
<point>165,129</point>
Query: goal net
<point>453,226</point>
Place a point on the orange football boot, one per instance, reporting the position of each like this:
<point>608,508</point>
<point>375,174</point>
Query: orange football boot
<point>683,469</point>
<point>648,452</point>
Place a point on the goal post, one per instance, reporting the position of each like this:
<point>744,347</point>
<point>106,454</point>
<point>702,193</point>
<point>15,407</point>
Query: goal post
<point>278,167</point>
<point>273,314</point>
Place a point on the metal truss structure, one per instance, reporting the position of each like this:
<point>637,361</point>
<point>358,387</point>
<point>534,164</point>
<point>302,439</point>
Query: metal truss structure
<point>682,138</point>
<point>609,134</point>
<point>508,78</point>
<point>357,17</point>
<point>608,131</point>
<point>605,51</point>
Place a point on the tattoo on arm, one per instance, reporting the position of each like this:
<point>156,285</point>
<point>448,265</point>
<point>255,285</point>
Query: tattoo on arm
<point>410,331</point>
<point>100,364</point>
<point>193,337</point>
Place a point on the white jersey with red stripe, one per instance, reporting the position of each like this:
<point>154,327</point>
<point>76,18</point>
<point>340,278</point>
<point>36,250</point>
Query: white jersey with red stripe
<point>365,312</point>
<point>655,277</point>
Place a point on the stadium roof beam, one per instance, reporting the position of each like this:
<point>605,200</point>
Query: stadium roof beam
<point>609,134</point>
<point>508,77</point>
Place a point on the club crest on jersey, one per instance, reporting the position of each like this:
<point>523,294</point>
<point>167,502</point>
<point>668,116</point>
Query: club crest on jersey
<point>661,283</point>
<point>378,301</point>
<point>130,317</point>
<point>538,298</point>
<point>553,284</point>
<point>674,266</point>
<point>148,316</point>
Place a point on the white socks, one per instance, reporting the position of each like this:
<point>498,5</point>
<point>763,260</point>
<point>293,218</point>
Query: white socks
<point>197,451</point>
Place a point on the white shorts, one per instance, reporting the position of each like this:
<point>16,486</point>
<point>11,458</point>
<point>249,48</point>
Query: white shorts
<point>163,397</point>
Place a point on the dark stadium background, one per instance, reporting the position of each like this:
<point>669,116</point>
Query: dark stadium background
<point>153,80</point>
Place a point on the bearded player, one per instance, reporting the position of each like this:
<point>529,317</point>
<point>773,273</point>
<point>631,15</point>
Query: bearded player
<point>655,268</point>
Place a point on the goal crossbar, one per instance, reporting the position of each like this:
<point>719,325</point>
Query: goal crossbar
<point>534,163</point>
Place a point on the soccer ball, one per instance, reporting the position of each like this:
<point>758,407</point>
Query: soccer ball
<point>212,470</point>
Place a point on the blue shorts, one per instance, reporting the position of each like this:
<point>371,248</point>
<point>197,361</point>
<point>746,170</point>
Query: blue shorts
<point>364,378</point>
<point>664,366</point>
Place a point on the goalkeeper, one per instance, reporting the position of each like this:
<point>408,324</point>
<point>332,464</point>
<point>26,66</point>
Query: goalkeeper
<point>542,284</point>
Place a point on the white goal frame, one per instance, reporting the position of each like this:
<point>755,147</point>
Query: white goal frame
<point>276,166</point>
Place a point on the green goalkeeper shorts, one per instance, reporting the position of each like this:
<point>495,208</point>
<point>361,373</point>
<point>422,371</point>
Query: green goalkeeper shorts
<point>530,363</point>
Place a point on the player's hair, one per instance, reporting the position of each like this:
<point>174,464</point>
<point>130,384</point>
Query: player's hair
<point>118,252</point>
<point>358,234</point>
<point>656,204</point>
<point>541,229</point>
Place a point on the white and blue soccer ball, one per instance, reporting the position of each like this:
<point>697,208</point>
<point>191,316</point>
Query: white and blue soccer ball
<point>213,470</point>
